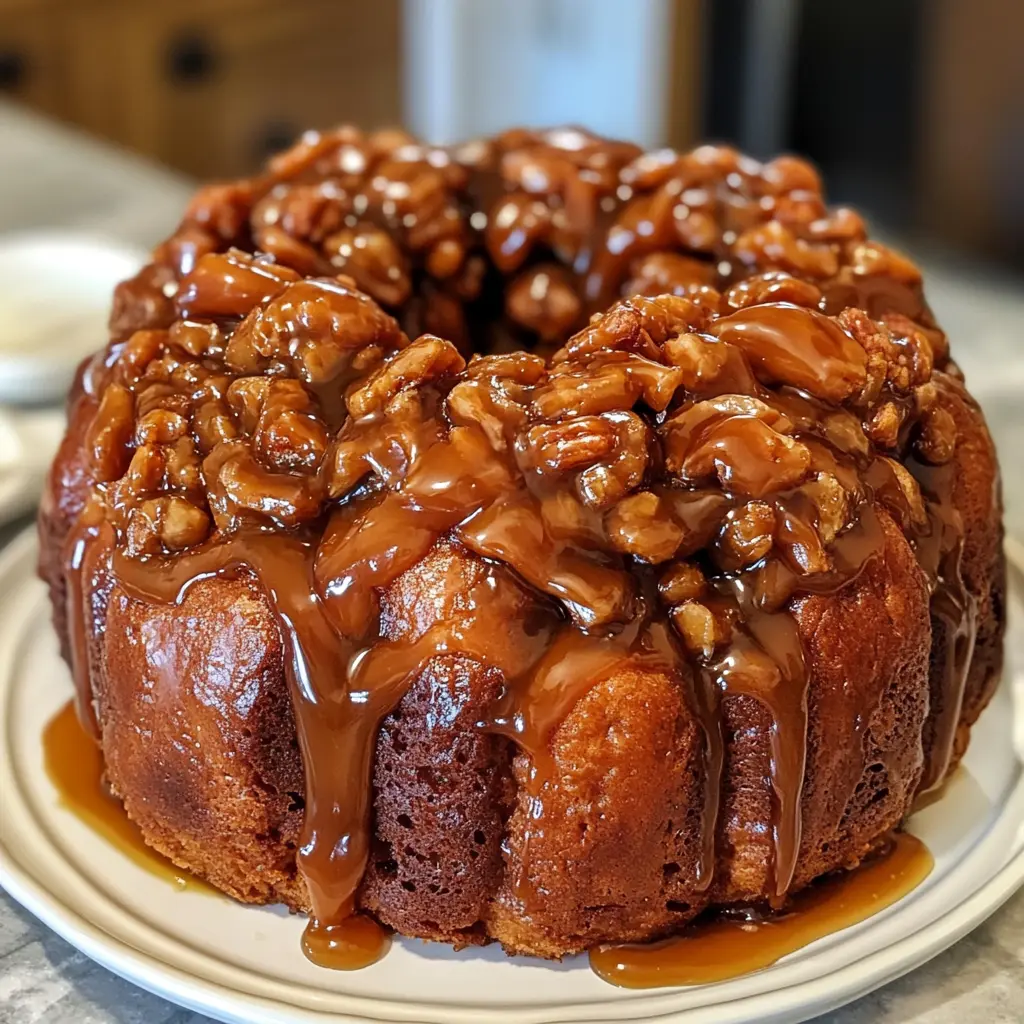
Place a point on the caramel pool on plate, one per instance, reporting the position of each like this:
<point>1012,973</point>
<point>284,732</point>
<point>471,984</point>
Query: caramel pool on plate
<point>726,947</point>
<point>75,767</point>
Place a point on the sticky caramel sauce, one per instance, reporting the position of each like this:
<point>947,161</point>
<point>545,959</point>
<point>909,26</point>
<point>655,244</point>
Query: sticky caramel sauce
<point>725,947</point>
<point>353,943</point>
<point>604,210</point>
<point>74,765</point>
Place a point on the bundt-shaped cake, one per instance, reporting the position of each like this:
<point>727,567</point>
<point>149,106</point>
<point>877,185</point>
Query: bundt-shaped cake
<point>660,572</point>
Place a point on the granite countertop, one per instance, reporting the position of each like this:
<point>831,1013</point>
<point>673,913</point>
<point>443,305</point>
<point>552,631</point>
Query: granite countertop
<point>51,177</point>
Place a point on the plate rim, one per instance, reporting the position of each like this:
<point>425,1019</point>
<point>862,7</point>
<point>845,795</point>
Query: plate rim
<point>788,1002</point>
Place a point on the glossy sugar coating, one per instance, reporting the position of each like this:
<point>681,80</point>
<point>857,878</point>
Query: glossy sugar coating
<point>565,619</point>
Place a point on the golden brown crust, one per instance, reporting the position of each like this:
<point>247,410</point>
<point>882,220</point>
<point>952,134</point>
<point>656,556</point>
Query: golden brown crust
<point>199,740</point>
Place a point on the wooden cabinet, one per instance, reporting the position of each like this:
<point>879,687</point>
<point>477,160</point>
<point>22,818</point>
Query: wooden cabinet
<point>213,86</point>
<point>30,65</point>
<point>972,157</point>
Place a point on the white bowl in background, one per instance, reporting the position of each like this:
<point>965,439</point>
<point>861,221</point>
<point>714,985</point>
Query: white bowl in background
<point>55,293</point>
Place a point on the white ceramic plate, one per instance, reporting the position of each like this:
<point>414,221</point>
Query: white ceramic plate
<point>243,964</point>
<point>28,441</point>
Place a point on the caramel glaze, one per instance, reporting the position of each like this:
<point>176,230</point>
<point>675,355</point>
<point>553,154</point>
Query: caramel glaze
<point>344,680</point>
<point>75,767</point>
<point>740,942</point>
<point>89,546</point>
<point>392,446</point>
<point>940,549</point>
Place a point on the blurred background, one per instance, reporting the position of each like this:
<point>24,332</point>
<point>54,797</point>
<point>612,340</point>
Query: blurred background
<point>914,109</point>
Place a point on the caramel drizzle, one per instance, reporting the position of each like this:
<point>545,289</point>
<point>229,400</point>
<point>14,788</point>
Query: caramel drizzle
<point>87,547</point>
<point>344,678</point>
<point>940,551</point>
<point>340,694</point>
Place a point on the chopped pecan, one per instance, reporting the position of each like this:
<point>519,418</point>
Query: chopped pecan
<point>160,426</point>
<point>489,406</point>
<point>610,451</point>
<point>661,273</point>
<point>790,174</point>
<point>445,258</point>
<point>876,259</point>
<point>611,381</point>
<point>514,226</point>
<point>747,536</point>
<point>288,251</point>
<point>905,500</point>
<point>182,469</point>
<point>702,361</point>
<point>165,524</point>
<point>387,448</point>
<point>773,286</point>
<point>609,479</point>
<point>832,501</point>
<point>308,212</point>
<point>698,628</point>
<point>212,424</point>
<point>197,338</point>
<point>696,229</point>
<point>314,326</point>
<point>426,359</point>
<point>571,444</point>
<point>914,347</point>
<point>517,367</point>
<point>740,440</point>
<point>800,543</point>
<point>640,324</point>
<point>245,396</point>
<point>230,284</point>
<point>373,260</point>
<point>544,300</point>
<point>773,245</point>
<point>144,474</point>
<point>639,525</point>
<point>650,170</point>
<point>884,426</point>
<point>238,486</point>
<point>141,349</point>
<point>839,225</point>
<point>223,208</point>
<point>289,435</point>
<point>937,437</point>
<point>682,581</point>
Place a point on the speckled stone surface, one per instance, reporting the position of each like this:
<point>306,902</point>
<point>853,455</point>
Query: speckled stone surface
<point>50,177</point>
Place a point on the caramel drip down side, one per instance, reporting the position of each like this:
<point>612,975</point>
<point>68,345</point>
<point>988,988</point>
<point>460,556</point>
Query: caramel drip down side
<point>940,550</point>
<point>88,544</point>
<point>337,714</point>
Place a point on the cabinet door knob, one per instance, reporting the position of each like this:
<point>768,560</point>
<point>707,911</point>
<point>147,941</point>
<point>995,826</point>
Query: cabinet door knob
<point>190,58</point>
<point>13,70</point>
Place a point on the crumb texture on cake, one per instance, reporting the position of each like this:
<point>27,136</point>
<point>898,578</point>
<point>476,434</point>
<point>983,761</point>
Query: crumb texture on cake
<point>536,540</point>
